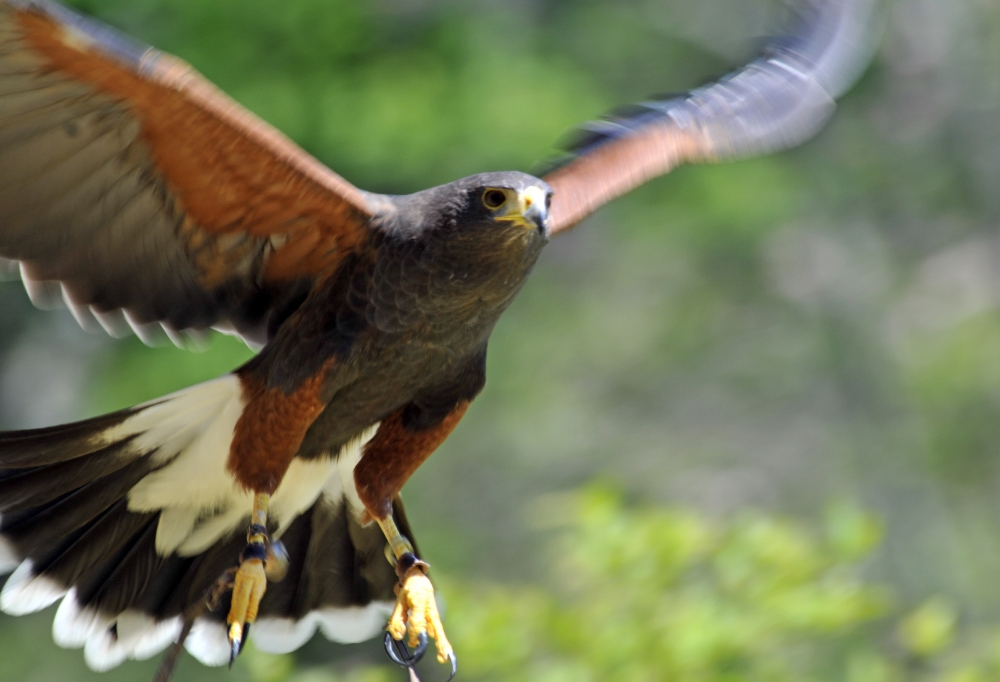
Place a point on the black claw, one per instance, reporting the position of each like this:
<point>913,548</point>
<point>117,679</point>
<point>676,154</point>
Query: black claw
<point>418,653</point>
<point>400,655</point>
<point>234,651</point>
<point>454,667</point>
<point>396,651</point>
<point>236,646</point>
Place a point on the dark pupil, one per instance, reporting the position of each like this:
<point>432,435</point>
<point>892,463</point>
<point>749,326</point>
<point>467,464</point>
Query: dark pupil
<point>494,199</point>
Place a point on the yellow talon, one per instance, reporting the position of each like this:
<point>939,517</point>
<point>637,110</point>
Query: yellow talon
<point>416,610</point>
<point>236,635</point>
<point>250,581</point>
<point>248,590</point>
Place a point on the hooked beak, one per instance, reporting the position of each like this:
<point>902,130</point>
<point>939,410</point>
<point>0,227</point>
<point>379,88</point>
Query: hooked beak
<point>531,211</point>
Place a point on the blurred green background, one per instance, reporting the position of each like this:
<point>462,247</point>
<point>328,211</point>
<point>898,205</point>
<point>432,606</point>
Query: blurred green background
<point>743,424</point>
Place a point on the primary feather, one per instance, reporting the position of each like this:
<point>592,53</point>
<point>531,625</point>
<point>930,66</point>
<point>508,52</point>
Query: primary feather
<point>777,101</point>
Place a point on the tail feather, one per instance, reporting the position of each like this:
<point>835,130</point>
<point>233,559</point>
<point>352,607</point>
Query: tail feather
<point>114,587</point>
<point>90,561</point>
<point>66,518</point>
<point>36,486</point>
<point>53,562</point>
<point>37,532</point>
<point>130,518</point>
<point>55,444</point>
<point>162,597</point>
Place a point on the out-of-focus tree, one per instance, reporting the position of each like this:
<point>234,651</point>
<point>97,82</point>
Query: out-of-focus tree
<point>653,593</point>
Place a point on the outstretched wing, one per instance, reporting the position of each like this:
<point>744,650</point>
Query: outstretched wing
<point>777,101</point>
<point>141,195</point>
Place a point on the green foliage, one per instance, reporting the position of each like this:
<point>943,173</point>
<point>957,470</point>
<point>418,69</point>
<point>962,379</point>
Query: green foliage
<point>647,593</point>
<point>643,593</point>
<point>929,629</point>
<point>651,593</point>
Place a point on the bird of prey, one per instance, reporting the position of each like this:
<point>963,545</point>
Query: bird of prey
<point>143,197</point>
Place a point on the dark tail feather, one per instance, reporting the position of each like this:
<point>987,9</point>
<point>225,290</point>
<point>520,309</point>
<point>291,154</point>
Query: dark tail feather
<point>35,486</point>
<point>54,444</point>
<point>63,489</point>
<point>76,527</point>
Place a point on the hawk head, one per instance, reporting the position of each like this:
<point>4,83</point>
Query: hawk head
<point>468,244</point>
<point>489,205</point>
<point>491,222</point>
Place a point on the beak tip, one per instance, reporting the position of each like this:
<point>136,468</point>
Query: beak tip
<point>534,205</point>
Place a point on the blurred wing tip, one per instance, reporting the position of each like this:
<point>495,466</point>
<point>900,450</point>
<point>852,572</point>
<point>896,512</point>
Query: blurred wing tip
<point>196,340</point>
<point>83,314</point>
<point>186,339</point>
<point>776,101</point>
<point>152,334</point>
<point>585,138</point>
<point>253,342</point>
<point>176,337</point>
<point>113,322</point>
<point>837,38</point>
<point>91,33</point>
<point>118,323</point>
<point>44,294</point>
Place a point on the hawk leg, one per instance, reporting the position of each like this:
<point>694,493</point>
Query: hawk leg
<point>416,609</point>
<point>403,441</point>
<point>260,561</point>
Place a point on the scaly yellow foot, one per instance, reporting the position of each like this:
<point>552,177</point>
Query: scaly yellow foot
<point>416,609</point>
<point>248,589</point>
<point>262,560</point>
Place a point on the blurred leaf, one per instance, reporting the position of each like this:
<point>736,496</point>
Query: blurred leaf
<point>930,628</point>
<point>866,666</point>
<point>852,532</point>
<point>266,667</point>
<point>649,593</point>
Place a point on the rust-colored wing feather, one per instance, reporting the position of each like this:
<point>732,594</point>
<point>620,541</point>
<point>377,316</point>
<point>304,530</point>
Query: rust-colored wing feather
<point>136,191</point>
<point>777,101</point>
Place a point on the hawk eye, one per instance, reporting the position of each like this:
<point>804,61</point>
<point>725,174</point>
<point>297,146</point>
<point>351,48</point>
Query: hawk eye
<point>494,199</point>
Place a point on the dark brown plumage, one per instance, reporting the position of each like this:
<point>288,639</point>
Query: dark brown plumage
<point>143,197</point>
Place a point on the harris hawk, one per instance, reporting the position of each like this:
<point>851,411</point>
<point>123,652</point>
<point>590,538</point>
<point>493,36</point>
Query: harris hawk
<point>143,198</point>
